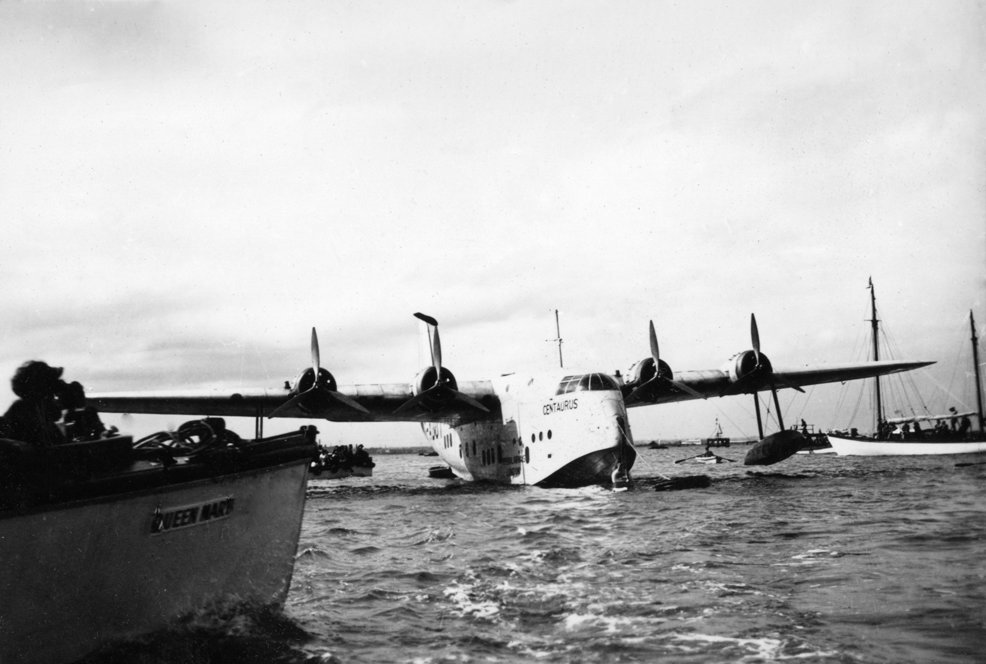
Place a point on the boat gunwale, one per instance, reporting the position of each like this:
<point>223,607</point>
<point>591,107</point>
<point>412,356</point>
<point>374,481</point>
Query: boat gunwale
<point>152,477</point>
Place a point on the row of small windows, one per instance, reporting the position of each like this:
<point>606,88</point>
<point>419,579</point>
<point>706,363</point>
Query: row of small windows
<point>535,437</point>
<point>490,455</point>
<point>593,382</point>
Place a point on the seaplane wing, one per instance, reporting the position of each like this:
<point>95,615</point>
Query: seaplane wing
<point>737,379</point>
<point>651,380</point>
<point>380,402</point>
<point>434,396</point>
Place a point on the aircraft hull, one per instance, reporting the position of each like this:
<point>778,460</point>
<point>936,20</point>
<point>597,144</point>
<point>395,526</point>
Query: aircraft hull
<point>558,440</point>
<point>77,574</point>
<point>594,468</point>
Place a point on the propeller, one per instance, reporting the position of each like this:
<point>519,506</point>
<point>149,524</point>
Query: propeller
<point>761,370</point>
<point>659,378</point>
<point>444,388</point>
<point>321,393</point>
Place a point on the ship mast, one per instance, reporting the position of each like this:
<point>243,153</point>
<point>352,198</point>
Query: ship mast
<point>876,356</point>
<point>975,367</point>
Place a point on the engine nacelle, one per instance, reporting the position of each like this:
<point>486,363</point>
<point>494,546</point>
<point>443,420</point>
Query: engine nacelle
<point>745,363</point>
<point>427,379</point>
<point>307,379</point>
<point>644,370</point>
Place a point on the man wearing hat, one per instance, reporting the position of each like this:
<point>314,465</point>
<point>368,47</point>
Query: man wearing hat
<point>32,417</point>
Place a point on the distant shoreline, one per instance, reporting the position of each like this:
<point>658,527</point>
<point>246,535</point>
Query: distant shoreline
<point>424,450</point>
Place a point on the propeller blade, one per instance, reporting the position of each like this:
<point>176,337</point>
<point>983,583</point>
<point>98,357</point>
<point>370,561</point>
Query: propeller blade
<point>755,337</point>
<point>434,342</point>
<point>316,363</point>
<point>428,319</point>
<point>437,353</point>
<point>654,352</point>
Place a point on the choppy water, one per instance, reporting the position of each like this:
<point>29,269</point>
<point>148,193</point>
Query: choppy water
<point>816,559</point>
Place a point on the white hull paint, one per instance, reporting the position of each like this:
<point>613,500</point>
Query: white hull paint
<point>77,575</point>
<point>543,438</point>
<point>870,447</point>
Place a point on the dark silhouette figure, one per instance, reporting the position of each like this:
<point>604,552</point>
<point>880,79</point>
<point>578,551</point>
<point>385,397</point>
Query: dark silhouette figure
<point>32,417</point>
<point>81,421</point>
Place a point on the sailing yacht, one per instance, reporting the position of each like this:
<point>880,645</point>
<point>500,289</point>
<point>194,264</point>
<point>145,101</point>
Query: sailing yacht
<point>949,433</point>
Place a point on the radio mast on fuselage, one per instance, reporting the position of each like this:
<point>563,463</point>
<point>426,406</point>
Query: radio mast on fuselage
<point>557,340</point>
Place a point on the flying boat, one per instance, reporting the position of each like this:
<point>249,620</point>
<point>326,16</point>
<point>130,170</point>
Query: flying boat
<point>558,428</point>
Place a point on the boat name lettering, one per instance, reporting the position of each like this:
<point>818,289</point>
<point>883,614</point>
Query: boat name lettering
<point>176,518</point>
<point>558,406</point>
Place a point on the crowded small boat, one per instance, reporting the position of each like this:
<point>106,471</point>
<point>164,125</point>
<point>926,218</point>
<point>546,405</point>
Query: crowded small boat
<point>342,461</point>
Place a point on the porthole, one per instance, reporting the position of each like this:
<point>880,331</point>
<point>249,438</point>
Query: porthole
<point>533,437</point>
<point>540,435</point>
<point>549,434</point>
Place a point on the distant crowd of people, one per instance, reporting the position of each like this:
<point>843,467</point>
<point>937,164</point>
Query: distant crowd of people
<point>341,458</point>
<point>955,426</point>
<point>48,411</point>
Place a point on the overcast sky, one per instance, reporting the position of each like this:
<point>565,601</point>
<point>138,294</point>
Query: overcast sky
<point>187,188</point>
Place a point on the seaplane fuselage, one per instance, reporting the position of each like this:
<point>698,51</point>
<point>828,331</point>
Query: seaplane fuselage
<point>556,429</point>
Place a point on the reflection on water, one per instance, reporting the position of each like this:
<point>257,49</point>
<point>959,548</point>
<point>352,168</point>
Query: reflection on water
<point>820,558</point>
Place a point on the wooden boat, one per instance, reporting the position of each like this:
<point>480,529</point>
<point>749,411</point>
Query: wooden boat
<point>904,436</point>
<point>105,540</point>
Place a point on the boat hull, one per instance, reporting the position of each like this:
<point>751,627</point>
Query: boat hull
<point>78,574</point>
<point>871,447</point>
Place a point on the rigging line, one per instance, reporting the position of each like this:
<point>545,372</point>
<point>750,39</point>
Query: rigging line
<point>804,405</point>
<point>855,411</point>
<point>961,358</point>
<point>640,457</point>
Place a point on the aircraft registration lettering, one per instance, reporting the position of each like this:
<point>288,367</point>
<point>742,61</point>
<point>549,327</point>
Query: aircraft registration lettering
<point>186,516</point>
<point>559,406</point>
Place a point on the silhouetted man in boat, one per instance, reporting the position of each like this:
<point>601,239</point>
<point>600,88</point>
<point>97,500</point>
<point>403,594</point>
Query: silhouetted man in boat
<point>81,421</point>
<point>32,417</point>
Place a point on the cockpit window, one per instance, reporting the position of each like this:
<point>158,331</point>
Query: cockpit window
<point>586,383</point>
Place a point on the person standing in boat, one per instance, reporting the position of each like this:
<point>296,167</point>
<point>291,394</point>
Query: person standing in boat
<point>964,426</point>
<point>32,417</point>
